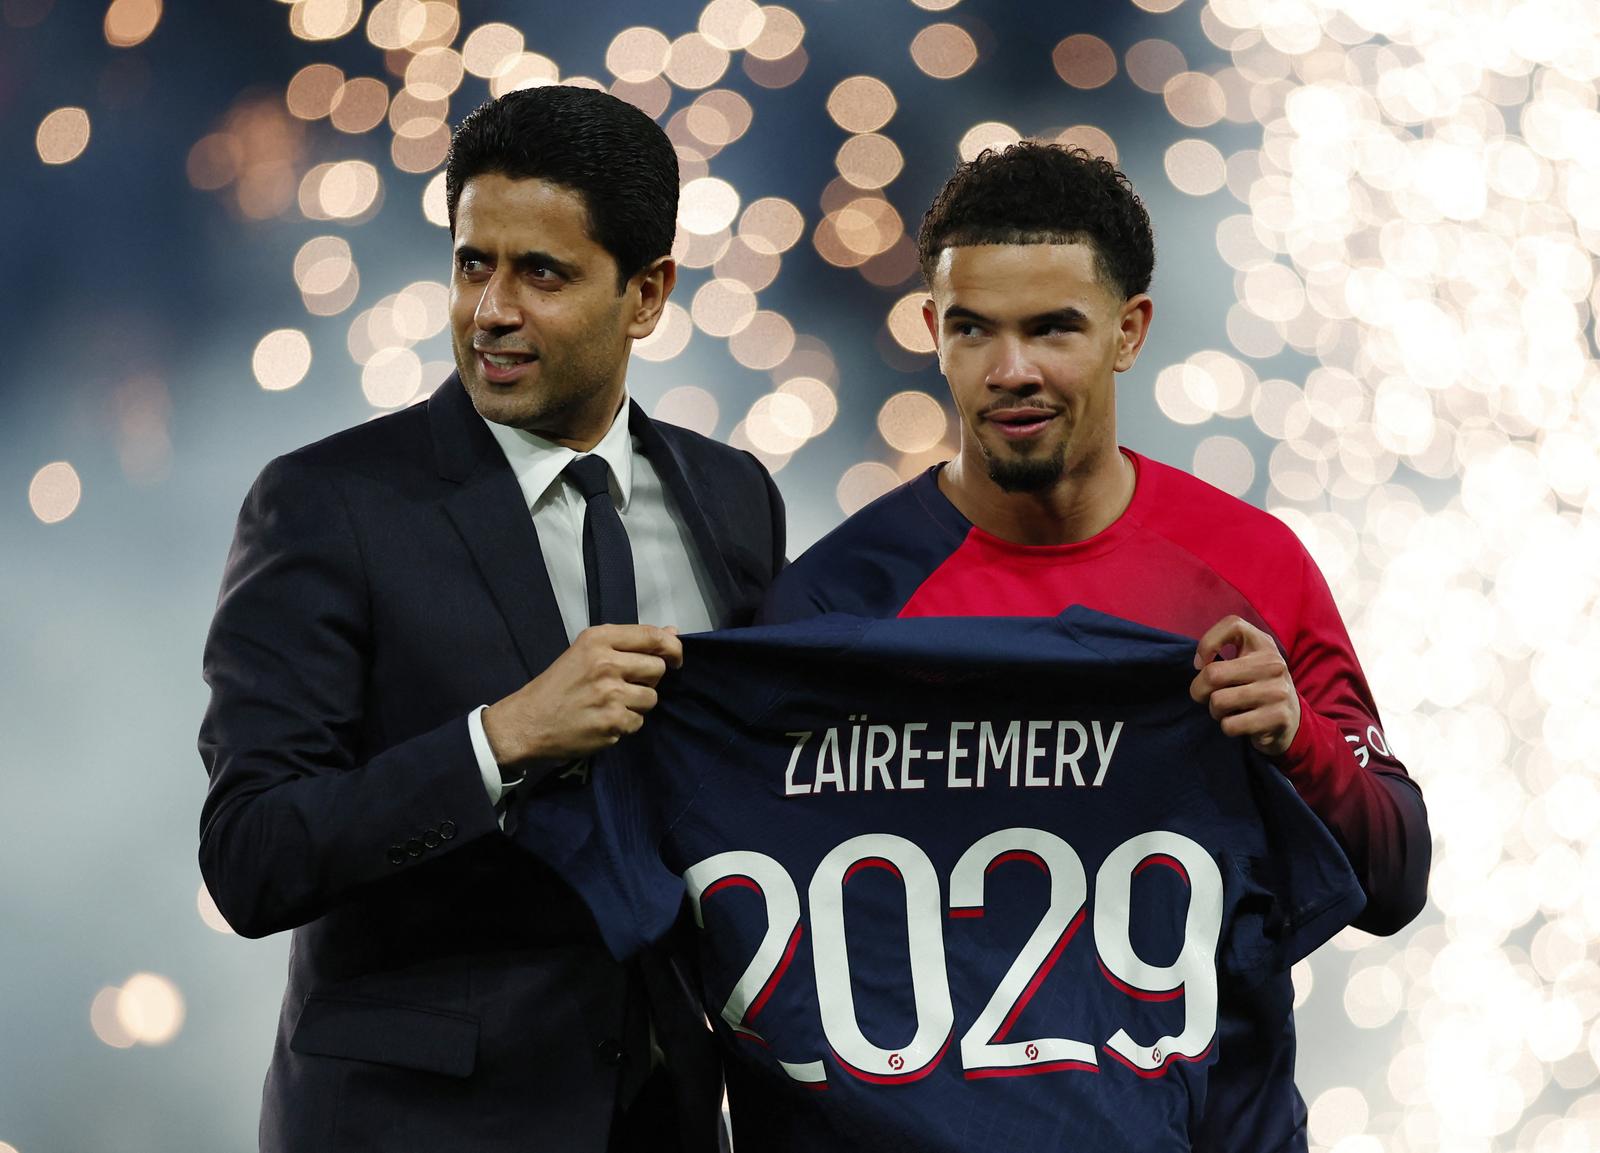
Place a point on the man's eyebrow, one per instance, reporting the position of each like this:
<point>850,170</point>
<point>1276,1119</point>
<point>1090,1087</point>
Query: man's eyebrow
<point>528,261</point>
<point>960,312</point>
<point>1062,316</point>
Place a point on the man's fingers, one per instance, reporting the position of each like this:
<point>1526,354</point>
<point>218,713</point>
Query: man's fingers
<point>1242,699</point>
<point>1231,632</point>
<point>1241,670</point>
<point>651,639</point>
<point>634,668</point>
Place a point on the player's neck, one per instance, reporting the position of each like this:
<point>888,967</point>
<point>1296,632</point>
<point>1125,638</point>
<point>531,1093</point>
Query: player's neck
<point>1075,508</point>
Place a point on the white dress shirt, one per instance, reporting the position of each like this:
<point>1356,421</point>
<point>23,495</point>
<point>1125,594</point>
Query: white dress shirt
<point>673,587</point>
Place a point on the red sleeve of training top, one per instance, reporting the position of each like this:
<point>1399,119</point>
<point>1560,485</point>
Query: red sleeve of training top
<point>1339,761</point>
<point>1341,764</point>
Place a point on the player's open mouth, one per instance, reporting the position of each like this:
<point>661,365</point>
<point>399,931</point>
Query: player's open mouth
<point>504,367</point>
<point>1021,423</point>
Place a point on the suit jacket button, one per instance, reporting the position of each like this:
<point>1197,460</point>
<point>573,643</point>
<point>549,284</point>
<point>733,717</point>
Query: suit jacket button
<point>397,854</point>
<point>447,829</point>
<point>413,848</point>
<point>431,838</point>
<point>610,1051</point>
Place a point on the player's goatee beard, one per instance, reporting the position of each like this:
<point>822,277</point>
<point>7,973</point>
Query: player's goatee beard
<point>1027,474</point>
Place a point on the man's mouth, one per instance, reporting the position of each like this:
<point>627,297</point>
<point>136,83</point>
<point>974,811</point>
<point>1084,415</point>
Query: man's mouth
<point>503,367</point>
<point>1020,423</point>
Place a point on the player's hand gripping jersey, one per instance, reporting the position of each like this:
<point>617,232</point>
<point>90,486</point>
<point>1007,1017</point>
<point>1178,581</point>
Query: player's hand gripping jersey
<point>962,884</point>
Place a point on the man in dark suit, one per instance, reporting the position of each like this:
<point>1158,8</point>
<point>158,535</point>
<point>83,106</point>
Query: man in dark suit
<point>425,624</point>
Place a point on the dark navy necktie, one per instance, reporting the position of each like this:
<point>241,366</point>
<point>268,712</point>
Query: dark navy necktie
<point>607,559</point>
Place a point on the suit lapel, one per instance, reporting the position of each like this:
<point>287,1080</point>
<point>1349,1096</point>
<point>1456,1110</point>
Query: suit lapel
<point>691,504</point>
<point>488,510</point>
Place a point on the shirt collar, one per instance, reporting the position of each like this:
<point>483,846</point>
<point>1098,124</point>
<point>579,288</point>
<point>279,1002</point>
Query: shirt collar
<point>538,462</point>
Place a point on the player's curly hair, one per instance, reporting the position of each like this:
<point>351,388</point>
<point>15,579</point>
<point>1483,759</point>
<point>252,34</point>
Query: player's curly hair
<point>1036,193</point>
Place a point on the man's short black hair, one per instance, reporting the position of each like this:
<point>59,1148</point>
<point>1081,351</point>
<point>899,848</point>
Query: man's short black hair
<point>602,148</point>
<point>1036,193</point>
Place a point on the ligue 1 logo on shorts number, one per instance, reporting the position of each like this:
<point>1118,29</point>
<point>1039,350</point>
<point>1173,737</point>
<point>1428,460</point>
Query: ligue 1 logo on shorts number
<point>985,1050</point>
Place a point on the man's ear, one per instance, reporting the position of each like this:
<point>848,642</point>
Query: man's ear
<point>647,291</point>
<point>1133,325</point>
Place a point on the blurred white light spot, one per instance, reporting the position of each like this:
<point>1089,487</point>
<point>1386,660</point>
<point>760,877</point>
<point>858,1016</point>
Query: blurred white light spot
<point>150,1009</point>
<point>912,421</point>
<point>54,492</point>
<point>1194,99</point>
<point>103,1019</point>
<point>524,70</point>
<point>989,134</point>
<point>1555,1029</point>
<point>861,104</point>
<point>1195,167</point>
<point>906,325</point>
<point>864,483</point>
<point>281,359</point>
<point>62,136</point>
<point>869,160</point>
<point>489,48</point>
<point>944,51</point>
<point>1372,996</point>
<point>637,54</point>
<point>707,205</point>
<point>130,22</point>
<point>1185,394</point>
<point>209,913</point>
<point>771,225</point>
<point>722,307</point>
<point>1094,141</point>
<point>1151,63</point>
<point>817,397</point>
<point>392,377</point>
<point>1225,462</point>
<point>688,406</point>
<point>732,24</point>
<point>778,423</point>
<point>781,34</point>
<point>1336,1114</point>
<point>348,189</point>
<point>764,343</point>
<point>1084,61</point>
<point>422,309</point>
<point>1273,292</point>
<point>694,62</point>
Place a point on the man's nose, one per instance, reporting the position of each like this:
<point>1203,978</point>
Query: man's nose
<point>1012,368</point>
<point>497,308</point>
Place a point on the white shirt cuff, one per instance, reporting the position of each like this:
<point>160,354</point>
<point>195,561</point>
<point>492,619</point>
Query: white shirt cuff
<point>487,766</point>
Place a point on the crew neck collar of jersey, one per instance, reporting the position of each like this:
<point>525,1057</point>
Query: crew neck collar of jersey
<point>1103,541</point>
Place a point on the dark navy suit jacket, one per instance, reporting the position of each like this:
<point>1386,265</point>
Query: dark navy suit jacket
<point>446,990</point>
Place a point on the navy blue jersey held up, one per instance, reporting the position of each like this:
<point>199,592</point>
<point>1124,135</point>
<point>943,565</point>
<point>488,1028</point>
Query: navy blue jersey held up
<point>961,883</point>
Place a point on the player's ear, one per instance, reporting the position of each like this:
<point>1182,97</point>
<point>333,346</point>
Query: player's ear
<point>930,317</point>
<point>1133,325</point>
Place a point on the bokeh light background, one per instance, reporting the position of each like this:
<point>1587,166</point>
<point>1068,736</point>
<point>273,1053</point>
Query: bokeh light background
<point>1377,224</point>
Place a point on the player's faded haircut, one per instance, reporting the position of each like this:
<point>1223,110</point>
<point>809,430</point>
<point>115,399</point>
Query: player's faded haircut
<point>602,148</point>
<point>1035,193</point>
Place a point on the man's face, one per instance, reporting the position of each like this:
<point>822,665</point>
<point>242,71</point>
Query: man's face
<point>1030,339</point>
<point>541,334</point>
